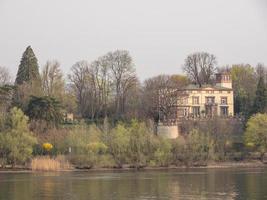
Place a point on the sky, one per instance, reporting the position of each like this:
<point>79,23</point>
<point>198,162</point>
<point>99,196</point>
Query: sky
<point>159,34</point>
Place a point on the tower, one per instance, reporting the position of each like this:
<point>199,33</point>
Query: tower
<point>224,79</point>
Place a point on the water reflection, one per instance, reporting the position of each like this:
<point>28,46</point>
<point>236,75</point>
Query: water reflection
<point>174,184</point>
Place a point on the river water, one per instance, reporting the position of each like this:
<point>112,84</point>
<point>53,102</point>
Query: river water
<point>184,184</point>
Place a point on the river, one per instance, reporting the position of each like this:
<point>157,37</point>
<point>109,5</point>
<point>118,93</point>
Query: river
<point>182,184</point>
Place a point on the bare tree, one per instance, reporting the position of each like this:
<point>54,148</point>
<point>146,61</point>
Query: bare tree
<point>4,76</point>
<point>79,80</point>
<point>123,77</point>
<point>52,79</point>
<point>107,81</point>
<point>261,71</point>
<point>6,91</point>
<point>160,95</point>
<point>100,72</point>
<point>200,67</point>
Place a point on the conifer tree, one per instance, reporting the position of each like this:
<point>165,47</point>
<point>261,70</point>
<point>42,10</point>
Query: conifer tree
<point>28,69</point>
<point>260,101</point>
<point>28,80</point>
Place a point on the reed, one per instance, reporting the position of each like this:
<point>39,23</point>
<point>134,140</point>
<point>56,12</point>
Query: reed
<point>46,163</point>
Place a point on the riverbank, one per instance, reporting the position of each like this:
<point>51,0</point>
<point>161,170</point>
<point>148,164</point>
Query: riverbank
<point>213,165</point>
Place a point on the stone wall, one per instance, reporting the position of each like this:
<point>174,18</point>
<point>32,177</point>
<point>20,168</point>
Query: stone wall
<point>170,132</point>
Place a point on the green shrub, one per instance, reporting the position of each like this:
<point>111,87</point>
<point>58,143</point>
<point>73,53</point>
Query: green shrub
<point>163,153</point>
<point>16,141</point>
<point>256,133</point>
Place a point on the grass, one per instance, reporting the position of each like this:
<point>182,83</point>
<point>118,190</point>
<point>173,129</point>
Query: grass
<point>46,163</point>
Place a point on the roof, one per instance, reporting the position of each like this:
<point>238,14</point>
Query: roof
<point>205,87</point>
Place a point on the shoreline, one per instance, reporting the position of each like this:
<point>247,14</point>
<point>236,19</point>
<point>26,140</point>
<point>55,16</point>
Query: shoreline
<point>214,165</point>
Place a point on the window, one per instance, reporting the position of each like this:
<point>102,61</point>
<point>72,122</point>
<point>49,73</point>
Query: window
<point>195,100</point>
<point>224,100</point>
<point>181,112</point>
<point>185,112</point>
<point>224,111</point>
<point>210,100</point>
<point>196,111</point>
<point>182,101</point>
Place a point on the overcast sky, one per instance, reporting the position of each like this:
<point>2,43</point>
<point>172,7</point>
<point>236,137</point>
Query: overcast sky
<point>159,34</point>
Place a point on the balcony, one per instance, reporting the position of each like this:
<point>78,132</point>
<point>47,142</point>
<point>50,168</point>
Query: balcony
<point>211,104</point>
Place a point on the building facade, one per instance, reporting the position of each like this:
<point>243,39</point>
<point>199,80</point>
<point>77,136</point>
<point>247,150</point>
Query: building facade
<point>208,100</point>
<point>198,102</point>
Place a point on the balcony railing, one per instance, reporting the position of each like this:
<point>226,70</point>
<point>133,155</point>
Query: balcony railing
<point>211,104</point>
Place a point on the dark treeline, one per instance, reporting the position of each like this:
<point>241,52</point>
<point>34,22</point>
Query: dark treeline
<point>108,93</point>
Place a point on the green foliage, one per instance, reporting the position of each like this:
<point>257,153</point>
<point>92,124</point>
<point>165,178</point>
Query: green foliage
<point>45,109</point>
<point>28,81</point>
<point>162,154</point>
<point>86,147</point>
<point>28,69</point>
<point>79,138</point>
<point>6,93</point>
<point>179,151</point>
<point>198,146</point>
<point>256,133</point>
<point>16,141</point>
<point>119,143</point>
<point>244,86</point>
<point>138,143</point>
<point>97,147</point>
<point>260,101</point>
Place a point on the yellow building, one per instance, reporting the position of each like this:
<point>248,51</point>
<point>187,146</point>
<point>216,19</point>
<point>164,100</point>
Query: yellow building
<point>208,100</point>
<point>197,102</point>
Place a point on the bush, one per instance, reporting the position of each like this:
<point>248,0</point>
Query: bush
<point>47,147</point>
<point>16,141</point>
<point>118,144</point>
<point>138,144</point>
<point>162,155</point>
<point>199,147</point>
<point>179,151</point>
<point>256,133</point>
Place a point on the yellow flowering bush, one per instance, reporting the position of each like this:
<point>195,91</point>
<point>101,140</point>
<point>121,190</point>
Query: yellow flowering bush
<point>250,144</point>
<point>97,147</point>
<point>47,146</point>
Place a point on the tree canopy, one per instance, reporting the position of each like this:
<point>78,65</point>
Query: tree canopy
<point>260,101</point>
<point>200,67</point>
<point>16,141</point>
<point>46,109</point>
<point>256,132</point>
<point>28,81</point>
<point>28,69</point>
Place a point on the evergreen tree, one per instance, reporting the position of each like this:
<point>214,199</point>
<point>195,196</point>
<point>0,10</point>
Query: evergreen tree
<point>45,110</point>
<point>28,69</point>
<point>28,80</point>
<point>260,100</point>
